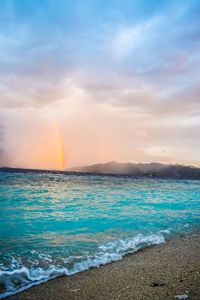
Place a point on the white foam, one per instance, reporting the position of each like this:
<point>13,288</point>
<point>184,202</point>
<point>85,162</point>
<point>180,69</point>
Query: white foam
<point>111,251</point>
<point>132,244</point>
<point>167,231</point>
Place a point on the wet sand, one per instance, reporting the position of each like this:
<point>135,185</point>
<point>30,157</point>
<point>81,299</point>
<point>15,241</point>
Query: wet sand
<point>159,272</point>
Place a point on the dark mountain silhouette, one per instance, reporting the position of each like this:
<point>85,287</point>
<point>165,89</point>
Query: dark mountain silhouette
<point>154,170</point>
<point>142,169</point>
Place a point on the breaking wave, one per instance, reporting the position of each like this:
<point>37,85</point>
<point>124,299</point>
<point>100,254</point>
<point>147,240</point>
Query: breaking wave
<point>23,278</point>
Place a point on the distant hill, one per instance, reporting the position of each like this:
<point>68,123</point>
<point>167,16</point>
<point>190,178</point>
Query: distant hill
<point>156,170</point>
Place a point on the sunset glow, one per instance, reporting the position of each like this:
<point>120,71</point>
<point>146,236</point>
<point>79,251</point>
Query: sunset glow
<point>60,148</point>
<point>98,81</point>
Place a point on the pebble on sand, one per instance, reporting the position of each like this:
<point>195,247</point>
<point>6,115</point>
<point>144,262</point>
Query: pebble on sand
<point>181,297</point>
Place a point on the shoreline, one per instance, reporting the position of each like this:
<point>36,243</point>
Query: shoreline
<point>157,272</point>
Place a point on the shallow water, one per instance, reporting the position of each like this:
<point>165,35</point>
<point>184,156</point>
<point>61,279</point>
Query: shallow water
<point>53,224</point>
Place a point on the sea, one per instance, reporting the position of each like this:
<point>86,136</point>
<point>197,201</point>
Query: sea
<point>54,223</point>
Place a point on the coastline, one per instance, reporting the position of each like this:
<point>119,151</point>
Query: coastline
<point>157,272</point>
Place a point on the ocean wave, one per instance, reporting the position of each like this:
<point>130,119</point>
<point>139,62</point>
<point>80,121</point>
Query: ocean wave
<point>20,279</point>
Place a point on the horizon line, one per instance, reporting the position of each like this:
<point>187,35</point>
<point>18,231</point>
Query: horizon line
<point>98,163</point>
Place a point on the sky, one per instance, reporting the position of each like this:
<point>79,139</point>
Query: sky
<point>89,81</point>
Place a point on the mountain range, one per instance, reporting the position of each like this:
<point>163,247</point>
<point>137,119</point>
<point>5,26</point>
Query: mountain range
<point>155,170</point>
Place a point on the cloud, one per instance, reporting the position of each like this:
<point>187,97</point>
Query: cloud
<point>128,41</point>
<point>34,91</point>
<point>121,80</point>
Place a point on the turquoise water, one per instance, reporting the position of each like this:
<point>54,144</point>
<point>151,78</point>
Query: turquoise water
<point>53,224</point>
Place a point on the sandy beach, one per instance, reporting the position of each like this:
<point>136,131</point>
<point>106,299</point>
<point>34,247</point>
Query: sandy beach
<point>159,272</point>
